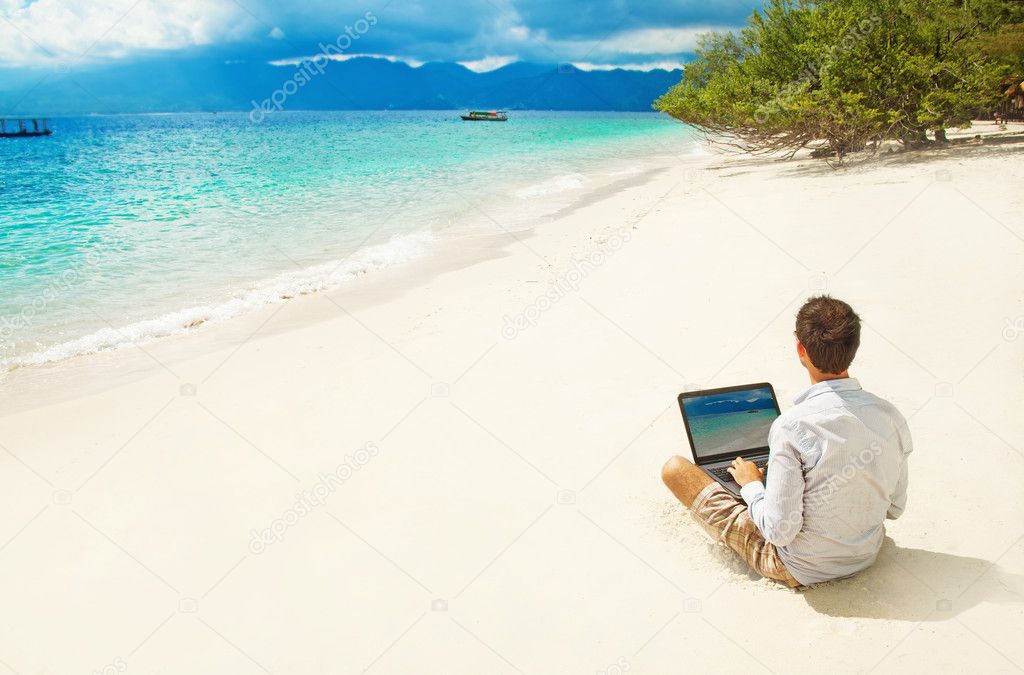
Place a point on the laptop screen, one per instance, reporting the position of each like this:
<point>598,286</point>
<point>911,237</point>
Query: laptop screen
<point>730,422</point>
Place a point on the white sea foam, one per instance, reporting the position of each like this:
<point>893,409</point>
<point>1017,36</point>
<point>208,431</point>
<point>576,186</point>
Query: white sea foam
<point>278,289</point>
<point>564,183</point>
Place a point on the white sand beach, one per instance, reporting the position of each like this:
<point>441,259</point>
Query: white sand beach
<point>452,466</point>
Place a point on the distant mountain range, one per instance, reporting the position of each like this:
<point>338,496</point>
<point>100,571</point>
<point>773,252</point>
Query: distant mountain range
<point>731,402</point>
<point>364,83</point>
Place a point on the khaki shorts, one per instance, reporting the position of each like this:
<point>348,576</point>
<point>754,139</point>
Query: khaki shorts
<point>727,520</point>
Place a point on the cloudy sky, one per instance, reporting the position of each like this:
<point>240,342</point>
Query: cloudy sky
<point>482,34</point>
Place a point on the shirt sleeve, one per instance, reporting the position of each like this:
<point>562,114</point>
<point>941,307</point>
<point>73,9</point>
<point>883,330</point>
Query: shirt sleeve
<point>898,500</point>
<point>777,509</point>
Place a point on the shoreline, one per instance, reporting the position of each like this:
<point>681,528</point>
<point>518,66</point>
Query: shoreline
<point>440,254</point>
<point>732,439</point>
<point>240,237</point>
<point>535,201</point>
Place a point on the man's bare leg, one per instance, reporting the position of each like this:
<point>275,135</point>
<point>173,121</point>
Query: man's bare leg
<point>684,479</point>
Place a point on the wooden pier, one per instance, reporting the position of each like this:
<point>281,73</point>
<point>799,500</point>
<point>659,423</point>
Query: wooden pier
<point>24,127</point>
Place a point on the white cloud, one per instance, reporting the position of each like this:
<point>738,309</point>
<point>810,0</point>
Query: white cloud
<point>658,40</point>
<point>297,60</point>
<point>647,65</point>
<point>519,32</point>
<point>640,49</point>
<point>644,49</point>
<point>49,31</point>
<point>488,63</point>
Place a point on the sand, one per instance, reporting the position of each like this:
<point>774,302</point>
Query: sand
<point>452,466</point>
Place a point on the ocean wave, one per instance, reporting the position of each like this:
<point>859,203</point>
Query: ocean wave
<point>281,288</point>
<point>564,183</point>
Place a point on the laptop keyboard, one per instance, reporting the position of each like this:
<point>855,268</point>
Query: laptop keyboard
<point>722,472</point>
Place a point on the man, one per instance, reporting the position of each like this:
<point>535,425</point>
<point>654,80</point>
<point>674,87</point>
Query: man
<point>837,468</point>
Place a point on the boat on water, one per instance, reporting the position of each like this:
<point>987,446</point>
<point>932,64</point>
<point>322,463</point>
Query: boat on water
<point>20,127</point>
<point>485,116</point>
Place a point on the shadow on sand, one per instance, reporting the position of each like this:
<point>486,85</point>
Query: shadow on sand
<point>911,584</point>
<point>960,148</point>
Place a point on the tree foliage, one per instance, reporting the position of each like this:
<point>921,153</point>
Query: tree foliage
<point>843,74</point>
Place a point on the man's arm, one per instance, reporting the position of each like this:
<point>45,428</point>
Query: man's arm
<point>899,495</point>
<point>778,509</point>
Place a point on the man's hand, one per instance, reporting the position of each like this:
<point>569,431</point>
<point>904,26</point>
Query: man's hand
<point>744,472</point>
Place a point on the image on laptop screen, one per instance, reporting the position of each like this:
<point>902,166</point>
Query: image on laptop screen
<point>730,422</point>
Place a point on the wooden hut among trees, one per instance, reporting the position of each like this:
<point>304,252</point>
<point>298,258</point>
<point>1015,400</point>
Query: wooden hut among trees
<point>1012,106</point>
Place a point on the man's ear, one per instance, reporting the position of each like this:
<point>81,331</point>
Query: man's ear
<point>801,351</point>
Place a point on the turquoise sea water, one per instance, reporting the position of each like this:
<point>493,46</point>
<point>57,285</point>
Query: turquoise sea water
<point>121,228</point>
<point>722,432</point>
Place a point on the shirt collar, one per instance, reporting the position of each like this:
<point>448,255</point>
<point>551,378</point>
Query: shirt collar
<point>841,384</point>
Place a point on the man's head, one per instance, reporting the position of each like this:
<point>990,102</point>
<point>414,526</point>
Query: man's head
<point>828,334</point>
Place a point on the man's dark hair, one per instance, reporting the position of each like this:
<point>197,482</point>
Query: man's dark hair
<point>829,330</point>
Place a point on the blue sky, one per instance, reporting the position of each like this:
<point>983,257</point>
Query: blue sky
<point>754,399</point>
<point>483,34</point>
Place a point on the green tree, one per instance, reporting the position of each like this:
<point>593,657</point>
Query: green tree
<point>842,74</point>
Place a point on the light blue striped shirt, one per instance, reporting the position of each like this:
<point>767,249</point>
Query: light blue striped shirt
<point>837,468</point>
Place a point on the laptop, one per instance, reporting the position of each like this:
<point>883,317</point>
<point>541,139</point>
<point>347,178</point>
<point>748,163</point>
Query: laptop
<point>723,424</point>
